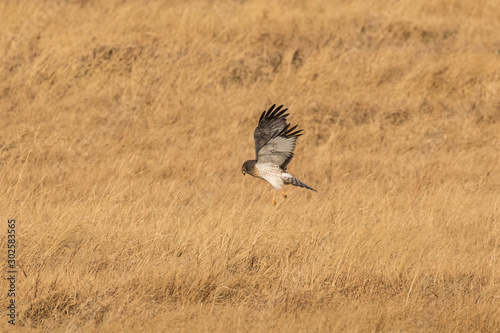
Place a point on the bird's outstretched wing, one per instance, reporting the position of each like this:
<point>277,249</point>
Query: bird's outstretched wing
<point>270,122</point>
<point>279,149</point>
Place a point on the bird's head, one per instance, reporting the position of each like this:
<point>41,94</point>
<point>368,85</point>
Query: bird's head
<point>248,167</point>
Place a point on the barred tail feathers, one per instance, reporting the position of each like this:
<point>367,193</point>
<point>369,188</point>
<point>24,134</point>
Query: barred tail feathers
<point>295,182</point>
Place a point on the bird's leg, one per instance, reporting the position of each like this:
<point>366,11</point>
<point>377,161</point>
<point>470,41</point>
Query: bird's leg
<point>283,194</point>
<point>274,195</point>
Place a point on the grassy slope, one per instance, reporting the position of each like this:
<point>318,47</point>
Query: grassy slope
<point>124,126</point>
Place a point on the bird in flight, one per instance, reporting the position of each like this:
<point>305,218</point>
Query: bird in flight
<point>274,145</point>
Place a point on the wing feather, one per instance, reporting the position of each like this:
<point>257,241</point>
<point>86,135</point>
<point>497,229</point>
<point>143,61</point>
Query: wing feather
<point>280,147</point>
<point>270,122</point>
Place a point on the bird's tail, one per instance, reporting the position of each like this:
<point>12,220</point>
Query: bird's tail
<point>295,182</point>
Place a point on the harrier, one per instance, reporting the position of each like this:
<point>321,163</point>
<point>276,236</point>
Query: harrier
<point>274,146</point>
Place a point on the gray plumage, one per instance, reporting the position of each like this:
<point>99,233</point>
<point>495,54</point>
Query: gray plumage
<point>275,143</point>
<point>295,182</point>
<point>270,122</point>
<point>274,139</point>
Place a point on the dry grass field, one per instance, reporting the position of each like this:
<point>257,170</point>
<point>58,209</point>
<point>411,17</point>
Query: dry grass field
<point>124,125</point>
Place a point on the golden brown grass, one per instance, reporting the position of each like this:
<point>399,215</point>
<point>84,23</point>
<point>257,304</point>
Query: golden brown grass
<point>124,125</point>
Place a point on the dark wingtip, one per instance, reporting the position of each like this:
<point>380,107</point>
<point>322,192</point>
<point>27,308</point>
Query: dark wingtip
<point>290,132</point>
<point>282,132</point>
<point>274,112</point>
<point>270,110</point>
<point>280,114</point>
<point>262,116</point>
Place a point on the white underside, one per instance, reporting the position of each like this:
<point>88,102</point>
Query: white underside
<point>273,175</point>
